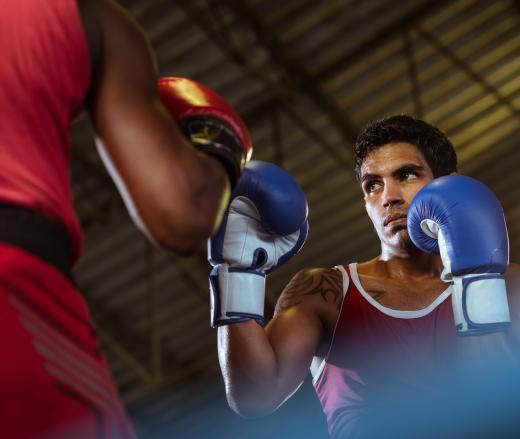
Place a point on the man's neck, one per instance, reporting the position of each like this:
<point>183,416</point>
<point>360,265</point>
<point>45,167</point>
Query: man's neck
<point>412,263</point>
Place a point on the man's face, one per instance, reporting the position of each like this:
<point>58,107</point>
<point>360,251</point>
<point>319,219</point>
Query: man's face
<point>390,177</point>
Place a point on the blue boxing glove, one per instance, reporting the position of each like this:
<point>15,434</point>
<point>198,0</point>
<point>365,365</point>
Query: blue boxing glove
<point>264,225</point>
<point>461,219</point>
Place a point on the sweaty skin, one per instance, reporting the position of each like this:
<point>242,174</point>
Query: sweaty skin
<point>175,194</point>
<point>263,367</point>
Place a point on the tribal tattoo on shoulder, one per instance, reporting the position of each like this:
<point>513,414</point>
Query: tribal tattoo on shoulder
<point>328,283</point>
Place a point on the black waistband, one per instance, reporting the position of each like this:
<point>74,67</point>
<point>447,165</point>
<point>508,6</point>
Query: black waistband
<point>33,232</point>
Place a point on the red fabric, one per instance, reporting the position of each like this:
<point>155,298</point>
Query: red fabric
<point>44,77</point>
<point>377,359</point>
<point>54,380</point>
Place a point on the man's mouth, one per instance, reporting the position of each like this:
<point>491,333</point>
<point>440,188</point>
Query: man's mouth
<point>390,219</point>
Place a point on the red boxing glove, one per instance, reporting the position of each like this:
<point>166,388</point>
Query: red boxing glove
<point>209,122</point>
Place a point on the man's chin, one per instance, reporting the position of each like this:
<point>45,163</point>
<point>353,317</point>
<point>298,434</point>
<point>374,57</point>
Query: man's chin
<point>403,239</point>
<point>398,239</point>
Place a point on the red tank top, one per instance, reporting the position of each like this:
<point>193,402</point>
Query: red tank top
<point>44,78</point>
<point>379,355</point>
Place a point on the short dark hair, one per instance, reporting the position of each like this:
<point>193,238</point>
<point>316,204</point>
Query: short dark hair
<point>435,146</point>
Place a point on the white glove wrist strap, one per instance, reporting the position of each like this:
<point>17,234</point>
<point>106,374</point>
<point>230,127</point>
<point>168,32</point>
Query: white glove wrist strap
<point>240,294</point>
<point>480,304</point>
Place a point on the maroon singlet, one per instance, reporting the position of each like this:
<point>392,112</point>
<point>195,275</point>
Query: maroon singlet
<point>380,356</point>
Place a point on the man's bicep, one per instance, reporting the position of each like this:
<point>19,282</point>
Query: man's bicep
<point>124,89</point>
<point>125,106</point>
<point>298,327</point>
<point>139,140</point>
<point>294,335</point>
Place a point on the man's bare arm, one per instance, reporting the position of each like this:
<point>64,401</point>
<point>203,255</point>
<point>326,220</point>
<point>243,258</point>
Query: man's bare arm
<point>174,192</point>
<point>263,367</point>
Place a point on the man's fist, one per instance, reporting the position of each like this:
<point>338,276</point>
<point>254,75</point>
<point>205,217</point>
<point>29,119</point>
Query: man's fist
<point>208,121</point>
<point>461,219</point>
<point>264,226</point>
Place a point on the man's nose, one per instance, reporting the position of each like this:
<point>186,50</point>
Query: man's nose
<point>392,195</point>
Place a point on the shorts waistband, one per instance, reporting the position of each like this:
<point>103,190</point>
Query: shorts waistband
<point>37,234</point>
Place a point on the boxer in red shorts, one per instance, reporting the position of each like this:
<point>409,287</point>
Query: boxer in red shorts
<point>59,57</point>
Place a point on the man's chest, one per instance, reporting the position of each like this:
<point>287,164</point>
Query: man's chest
<point>407,295</point>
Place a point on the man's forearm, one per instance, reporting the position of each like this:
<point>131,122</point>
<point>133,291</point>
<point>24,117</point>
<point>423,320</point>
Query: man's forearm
<point>249,368</point>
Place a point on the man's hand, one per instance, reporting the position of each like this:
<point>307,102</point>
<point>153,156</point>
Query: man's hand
<point>461,219</point>
<point>265,225</point>
<point>209,122</point>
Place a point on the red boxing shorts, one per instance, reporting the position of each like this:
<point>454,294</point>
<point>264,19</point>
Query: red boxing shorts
<point>54,381</point>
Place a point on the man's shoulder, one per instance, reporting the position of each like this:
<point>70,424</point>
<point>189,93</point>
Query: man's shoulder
<point>314,287</point>
<point>315,278</point>
<point>512,277</point>
<point>513,267</point>
<point>317,272</point>
<point>513,273</point>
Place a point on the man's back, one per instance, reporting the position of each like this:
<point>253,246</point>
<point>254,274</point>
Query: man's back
<point>44,77</point>
<point>57,57</point>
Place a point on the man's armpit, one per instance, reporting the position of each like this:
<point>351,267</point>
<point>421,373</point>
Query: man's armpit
<point>325,283</point>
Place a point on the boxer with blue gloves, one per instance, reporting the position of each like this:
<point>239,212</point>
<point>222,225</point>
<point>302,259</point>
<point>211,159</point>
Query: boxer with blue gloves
<point>461,219</point>
<point>378,337</point>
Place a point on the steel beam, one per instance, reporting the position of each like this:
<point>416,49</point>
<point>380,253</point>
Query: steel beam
<point>413,74</point>
<point>382,35</point>
<point>296,74</point>
<point>466,68</point>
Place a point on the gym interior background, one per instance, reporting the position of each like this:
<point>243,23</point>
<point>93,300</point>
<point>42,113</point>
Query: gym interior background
<point>306,76</point>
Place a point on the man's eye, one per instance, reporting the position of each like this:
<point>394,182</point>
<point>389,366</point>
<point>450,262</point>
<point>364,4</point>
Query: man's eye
<point>372,186</point>
<point>410,175</point>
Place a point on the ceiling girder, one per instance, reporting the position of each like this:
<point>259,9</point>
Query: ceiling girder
<point>465,67</point>
<point>379,37</point>
<point>296,74</point>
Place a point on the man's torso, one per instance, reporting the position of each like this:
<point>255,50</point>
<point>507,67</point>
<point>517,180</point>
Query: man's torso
<point>45,76</point>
